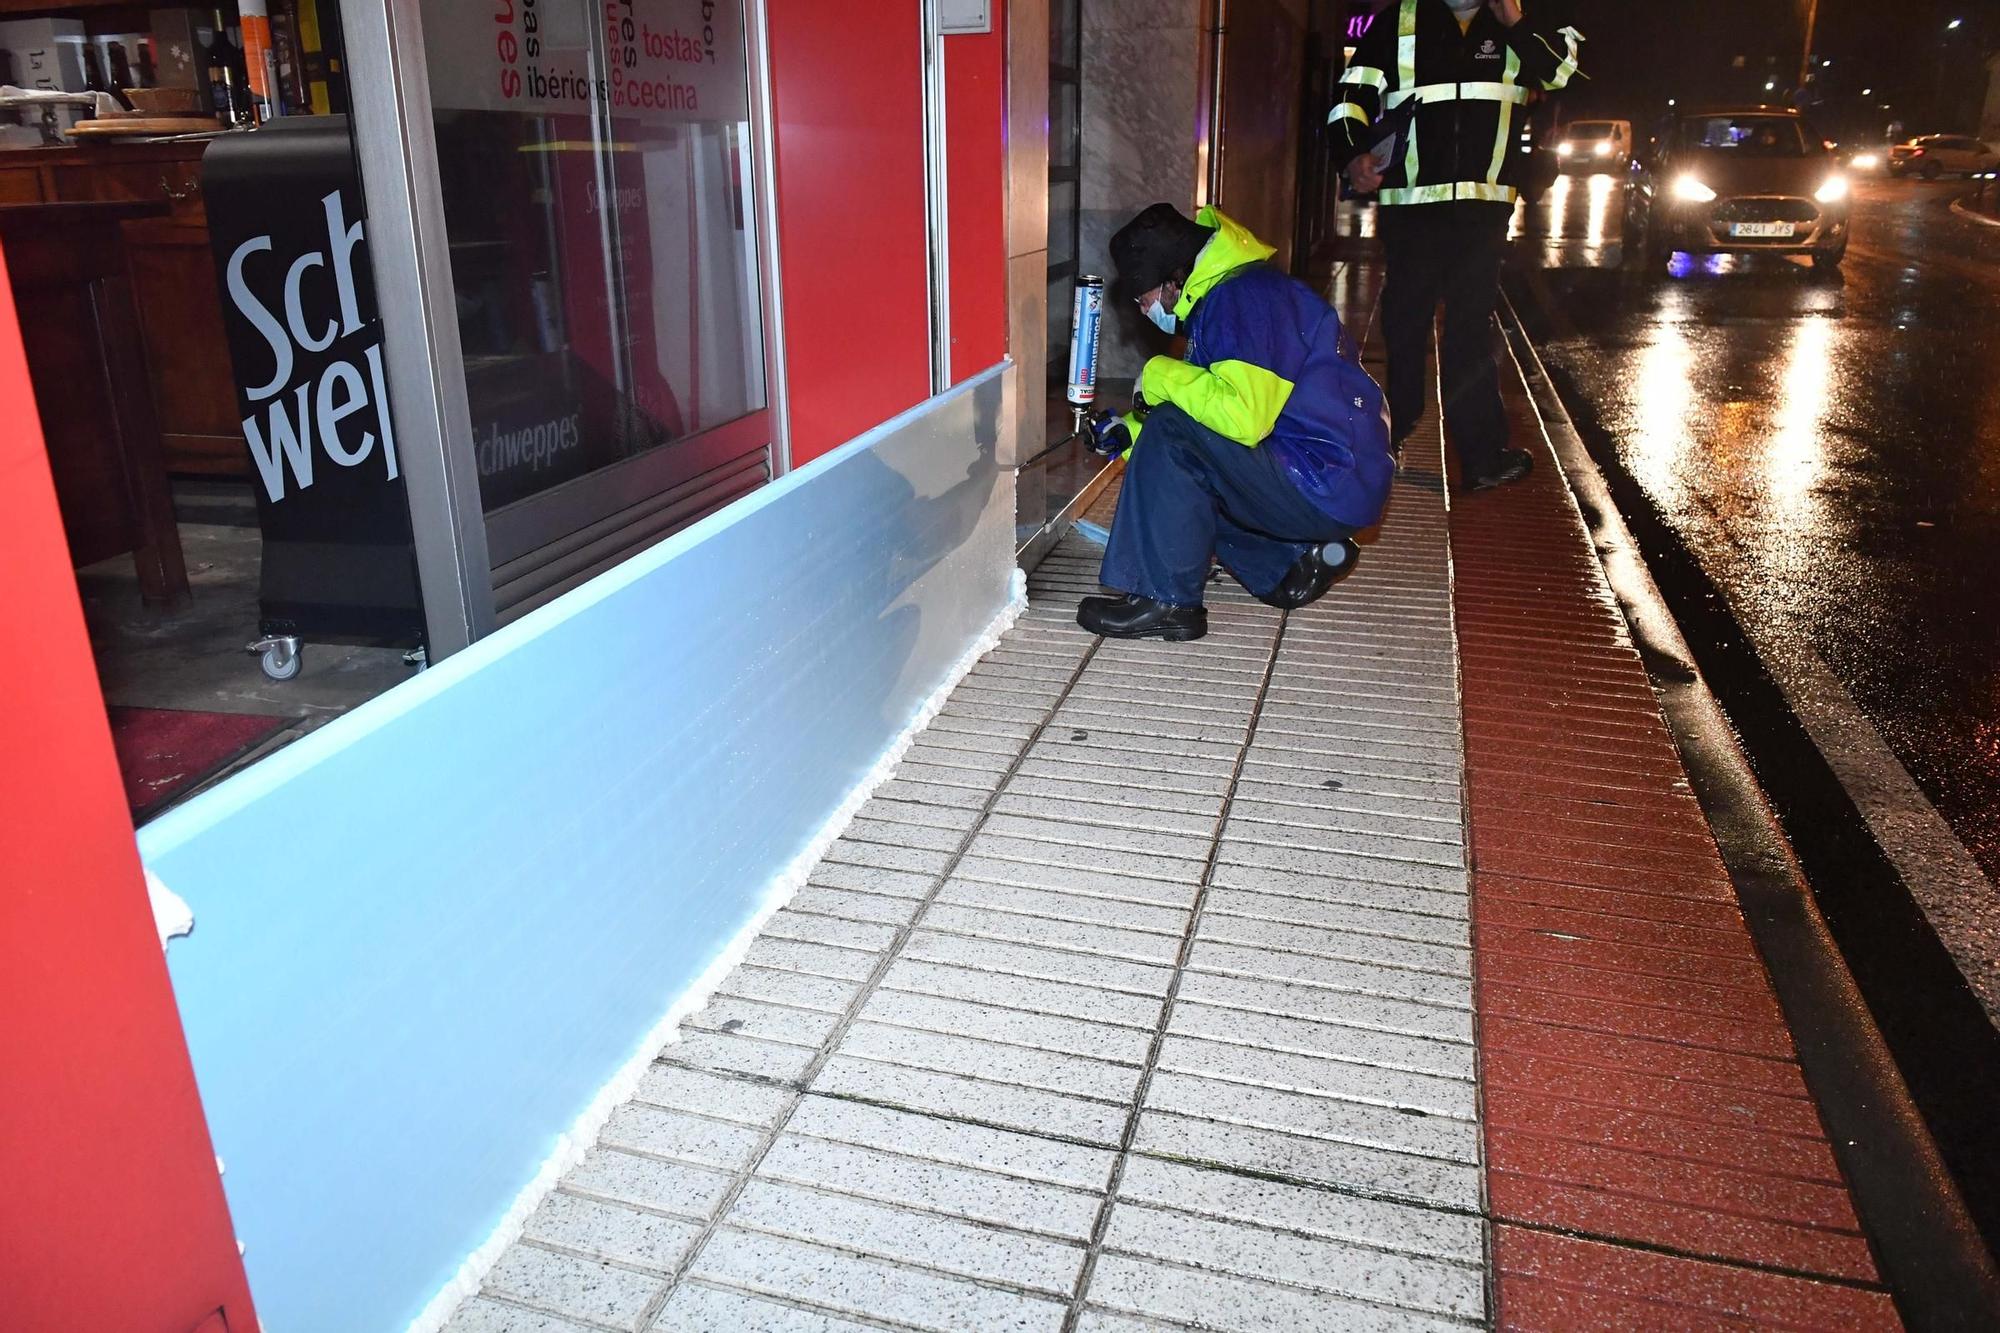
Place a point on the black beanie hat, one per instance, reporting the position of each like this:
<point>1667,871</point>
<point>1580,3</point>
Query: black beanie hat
<point>1157,245</point>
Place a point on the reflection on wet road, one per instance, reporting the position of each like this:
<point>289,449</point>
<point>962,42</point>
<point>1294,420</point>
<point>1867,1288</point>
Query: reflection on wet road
<point>1828,449</point>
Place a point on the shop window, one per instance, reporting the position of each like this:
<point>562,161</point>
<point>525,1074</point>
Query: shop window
<point>596,168</point>
<point>593,168</point>
<point>188,242</point>
<point>192,260</point>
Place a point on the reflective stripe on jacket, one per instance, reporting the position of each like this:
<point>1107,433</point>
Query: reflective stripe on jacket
<point>1470,85</point>
<point>1267,367</point>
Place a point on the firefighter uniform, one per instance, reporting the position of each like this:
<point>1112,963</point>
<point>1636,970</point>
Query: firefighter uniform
<point>1449,190</point>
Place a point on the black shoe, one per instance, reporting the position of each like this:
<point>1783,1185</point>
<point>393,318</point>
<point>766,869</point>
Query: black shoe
<point>1312,574</point>
<point>1510,467</point>
<point>1134,617</point>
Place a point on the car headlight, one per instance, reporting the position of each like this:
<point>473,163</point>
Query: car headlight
<point>1690,190</point>
<point>1833,191</point>
<point>1866,161</point>
<point>1565,149</point>
<point>1603,150</point>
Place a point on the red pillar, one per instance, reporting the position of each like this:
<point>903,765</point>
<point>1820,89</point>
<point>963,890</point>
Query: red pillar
<point>113,1216</point>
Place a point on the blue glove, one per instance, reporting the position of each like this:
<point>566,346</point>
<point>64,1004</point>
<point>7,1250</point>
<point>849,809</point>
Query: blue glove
<point>1109,435</point>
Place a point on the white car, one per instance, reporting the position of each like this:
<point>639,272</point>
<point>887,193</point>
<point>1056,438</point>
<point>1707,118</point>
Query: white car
<point>1935,155</point>
<point>1595,145</point>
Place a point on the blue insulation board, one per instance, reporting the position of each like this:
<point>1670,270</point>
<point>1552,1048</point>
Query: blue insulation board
<point>428,934</point>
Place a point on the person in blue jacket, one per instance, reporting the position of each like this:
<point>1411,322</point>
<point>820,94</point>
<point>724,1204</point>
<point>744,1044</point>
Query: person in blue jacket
<point>1267,447</point>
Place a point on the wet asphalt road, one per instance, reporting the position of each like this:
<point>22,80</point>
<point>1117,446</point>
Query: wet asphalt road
<point>1828,449</point>
<point>1813,467</point>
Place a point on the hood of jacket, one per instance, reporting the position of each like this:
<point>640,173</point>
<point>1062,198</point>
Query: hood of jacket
<point>1229,249</point>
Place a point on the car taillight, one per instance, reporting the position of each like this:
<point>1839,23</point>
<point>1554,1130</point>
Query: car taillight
<point>1917,152</point>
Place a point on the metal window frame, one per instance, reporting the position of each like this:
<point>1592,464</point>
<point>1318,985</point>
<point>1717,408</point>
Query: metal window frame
<point>937,214</point>
<point>764,171</point>
<point>395,143</point>
<point>396,147</point>
<point>1055,368</point>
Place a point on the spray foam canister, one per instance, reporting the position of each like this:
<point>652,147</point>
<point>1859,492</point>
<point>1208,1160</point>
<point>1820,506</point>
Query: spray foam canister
<point>1085,325</point>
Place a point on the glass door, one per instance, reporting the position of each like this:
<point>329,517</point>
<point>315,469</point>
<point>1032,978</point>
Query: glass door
<point>586,179</point>
<point>1054,486</point>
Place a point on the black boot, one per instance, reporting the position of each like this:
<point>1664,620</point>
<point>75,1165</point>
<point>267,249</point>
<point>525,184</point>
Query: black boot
<point>1135,617</point>
<point>1511,466</point>
<point>1312,574</point>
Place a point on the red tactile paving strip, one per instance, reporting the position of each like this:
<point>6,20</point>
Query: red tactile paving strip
<point>1654,1159</point>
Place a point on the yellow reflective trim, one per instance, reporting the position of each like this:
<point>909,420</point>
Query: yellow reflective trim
<point>1406,75</point>
<point>1418,194</point>
<point>1406,46</point>
<point>1367,76</point>
<point>1347,111</point>
<point>1470,92</point>
<point>1566,65</point>
<point>1447,194</point>
<point>1235,399</point>
<point>1503,140</point>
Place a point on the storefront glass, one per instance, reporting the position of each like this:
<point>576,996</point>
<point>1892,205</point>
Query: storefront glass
<point>594,159</point>
<point>191,259</point>
<point>267,276</point>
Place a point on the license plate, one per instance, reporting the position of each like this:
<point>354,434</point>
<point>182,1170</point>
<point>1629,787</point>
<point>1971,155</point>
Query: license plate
<point>1760,230</point>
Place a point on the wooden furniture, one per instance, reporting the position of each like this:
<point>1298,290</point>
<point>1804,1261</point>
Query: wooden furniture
<point>87,362</point>
<point>173,283</point>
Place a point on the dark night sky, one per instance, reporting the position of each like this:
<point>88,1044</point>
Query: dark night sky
<point>1641,52</point>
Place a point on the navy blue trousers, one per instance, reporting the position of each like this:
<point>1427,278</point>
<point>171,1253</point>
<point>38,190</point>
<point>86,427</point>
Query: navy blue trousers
<point>1448,252</point>
<point>1189,494</point>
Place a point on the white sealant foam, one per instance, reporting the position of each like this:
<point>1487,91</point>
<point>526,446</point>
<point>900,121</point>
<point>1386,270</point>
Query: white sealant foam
<point>582,1134</point>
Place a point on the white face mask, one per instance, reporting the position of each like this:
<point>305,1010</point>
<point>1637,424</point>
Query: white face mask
<point>1465,9</point>
<point>1162,317</point>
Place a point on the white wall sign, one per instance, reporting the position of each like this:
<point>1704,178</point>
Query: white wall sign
<point>965,16</point>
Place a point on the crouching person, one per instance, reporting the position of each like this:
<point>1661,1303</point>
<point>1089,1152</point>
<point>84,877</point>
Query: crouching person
<point>1266,449</point>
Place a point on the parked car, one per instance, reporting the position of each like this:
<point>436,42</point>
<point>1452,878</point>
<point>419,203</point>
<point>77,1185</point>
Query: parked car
<point>1934,155</point>
<point>1739,180</point>
<point>1595,145</point>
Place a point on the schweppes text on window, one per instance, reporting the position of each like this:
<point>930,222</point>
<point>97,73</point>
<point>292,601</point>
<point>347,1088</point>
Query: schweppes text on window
<point>325,401</point>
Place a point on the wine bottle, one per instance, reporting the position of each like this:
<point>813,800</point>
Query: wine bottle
<point>121,69</point>
<point>227,96</point>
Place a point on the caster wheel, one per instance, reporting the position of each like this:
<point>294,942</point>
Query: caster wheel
<point>281,656</point>
<point>279,664</point>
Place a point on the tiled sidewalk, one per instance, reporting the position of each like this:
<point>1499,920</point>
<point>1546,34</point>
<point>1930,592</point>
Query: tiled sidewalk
<point>1140,998</point>
<point>1143,998</point>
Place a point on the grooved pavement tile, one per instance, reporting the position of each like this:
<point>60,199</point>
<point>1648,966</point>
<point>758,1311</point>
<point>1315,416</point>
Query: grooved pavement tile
<point>484,1315</point>
<point>697,1309</point>
<point>1212,1300</point>
<point>1365,1272</point>
<point>1664,1291</point>
<point>924,1239</point>
<point>848,1283</point>
<point>921,1183</point>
